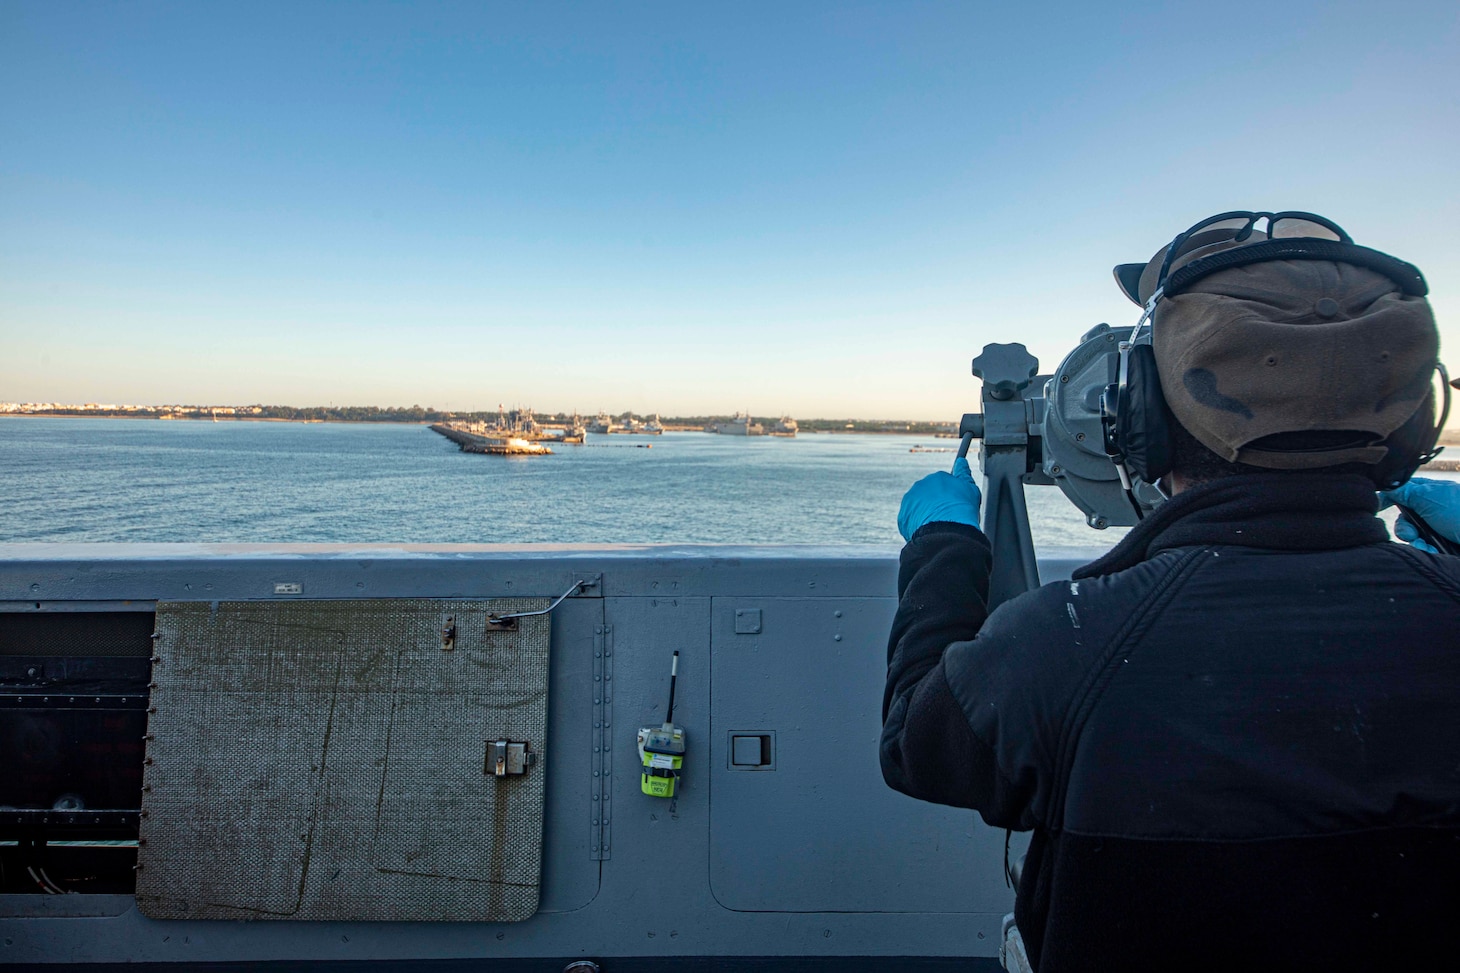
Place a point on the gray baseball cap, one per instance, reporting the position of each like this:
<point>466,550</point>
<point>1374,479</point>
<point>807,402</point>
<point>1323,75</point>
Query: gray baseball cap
<point>1288,364</point>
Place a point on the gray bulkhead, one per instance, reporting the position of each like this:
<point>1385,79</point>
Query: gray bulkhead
<point>783,840</point>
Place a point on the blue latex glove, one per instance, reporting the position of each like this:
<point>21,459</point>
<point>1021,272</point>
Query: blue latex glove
<point>951,497</point>
<point>1437,501</point>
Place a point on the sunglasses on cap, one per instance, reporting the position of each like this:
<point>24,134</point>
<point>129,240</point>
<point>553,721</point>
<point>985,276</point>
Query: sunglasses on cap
<point>1211,244</point>
<point>1288,233</point>
<point>1286,225</point>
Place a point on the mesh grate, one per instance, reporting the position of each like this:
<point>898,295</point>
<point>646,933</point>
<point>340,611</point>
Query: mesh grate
<point>76,633</point>
<point>326,760</point>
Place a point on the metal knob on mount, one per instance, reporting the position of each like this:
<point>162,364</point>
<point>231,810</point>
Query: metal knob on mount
<point>1006,370</point>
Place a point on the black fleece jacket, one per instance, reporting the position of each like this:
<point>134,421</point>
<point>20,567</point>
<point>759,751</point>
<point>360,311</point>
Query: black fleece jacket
<point>1236,736</point>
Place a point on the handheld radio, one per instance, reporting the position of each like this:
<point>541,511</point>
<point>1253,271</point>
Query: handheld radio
<point>661,748</point>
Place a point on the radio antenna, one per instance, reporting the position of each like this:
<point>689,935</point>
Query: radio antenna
<point>673,675</point>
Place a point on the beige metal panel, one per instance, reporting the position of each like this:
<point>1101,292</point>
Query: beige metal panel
<point>330,760</point>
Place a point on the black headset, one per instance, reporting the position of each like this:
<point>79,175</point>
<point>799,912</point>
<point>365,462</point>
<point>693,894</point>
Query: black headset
<point>1137,422</point>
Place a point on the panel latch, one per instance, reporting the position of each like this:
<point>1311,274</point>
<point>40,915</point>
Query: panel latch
<point>507,759</point>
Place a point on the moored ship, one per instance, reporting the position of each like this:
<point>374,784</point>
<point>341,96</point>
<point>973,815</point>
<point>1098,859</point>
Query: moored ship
<point>740,424</point>
<point>520,424</point>
<point>488,443</point>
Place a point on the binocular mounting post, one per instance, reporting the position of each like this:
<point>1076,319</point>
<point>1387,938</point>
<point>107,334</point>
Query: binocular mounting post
<point>1008,455</point>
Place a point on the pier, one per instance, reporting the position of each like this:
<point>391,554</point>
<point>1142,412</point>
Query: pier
<point>471,442</point>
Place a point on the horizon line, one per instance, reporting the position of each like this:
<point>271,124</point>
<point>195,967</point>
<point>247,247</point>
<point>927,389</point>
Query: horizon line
<point>255,408</point>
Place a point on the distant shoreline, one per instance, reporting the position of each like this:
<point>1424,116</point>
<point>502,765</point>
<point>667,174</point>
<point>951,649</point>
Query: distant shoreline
<point>417,422</point>
<point>104,415</point>
<point>1450,437</point>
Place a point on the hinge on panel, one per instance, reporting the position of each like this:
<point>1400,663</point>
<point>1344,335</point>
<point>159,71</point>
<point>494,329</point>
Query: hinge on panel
<point>602,783</point>
<point>590,587</point>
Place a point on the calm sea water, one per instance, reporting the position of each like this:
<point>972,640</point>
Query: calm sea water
<point>145,480</point>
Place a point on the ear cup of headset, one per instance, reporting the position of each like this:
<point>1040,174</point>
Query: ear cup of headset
<point>1409,446</point>
<point>1143,419</point>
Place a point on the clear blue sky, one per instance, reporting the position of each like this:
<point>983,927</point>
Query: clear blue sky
<point>820,209</point>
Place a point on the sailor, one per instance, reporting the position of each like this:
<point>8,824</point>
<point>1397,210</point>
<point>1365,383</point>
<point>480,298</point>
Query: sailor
<point>1236,736</point>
